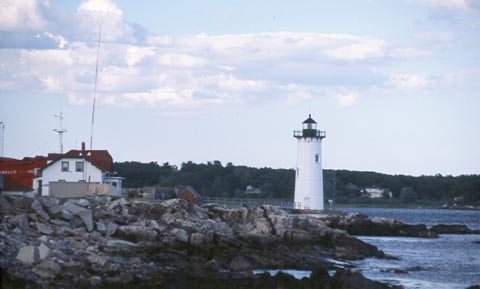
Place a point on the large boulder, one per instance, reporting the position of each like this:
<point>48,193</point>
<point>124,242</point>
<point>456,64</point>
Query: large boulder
<point>86,217</point>
<point>451,229</point>
<point>28,255</point>
<point>71,206</point>
<point>47,269</point>
<point>346,247</point>
<point>43,251</point>
<point>37,207</point>
<point>43,229</point>
<point>361,225</point>
<point>52,205</point>
<point>21,221</point>
<point>354,280</point>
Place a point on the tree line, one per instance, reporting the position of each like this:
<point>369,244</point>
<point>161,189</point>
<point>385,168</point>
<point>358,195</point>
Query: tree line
<point>217,180</point>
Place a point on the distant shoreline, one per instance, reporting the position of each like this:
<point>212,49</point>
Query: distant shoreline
<point>407,206</point>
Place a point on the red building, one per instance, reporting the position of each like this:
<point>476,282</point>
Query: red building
<point>17,175</point>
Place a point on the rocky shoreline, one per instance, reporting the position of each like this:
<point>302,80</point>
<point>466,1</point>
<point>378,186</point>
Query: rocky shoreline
<point>97,243</point>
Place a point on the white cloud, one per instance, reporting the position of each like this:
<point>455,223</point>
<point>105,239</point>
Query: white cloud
<point>447,4</point>
<point>274,45</point>
<point>50,83</point>
<point>410,81</point>
<point>102,7</point>
<point>435,38</point>
<point>192,71</point>
<point>347,98</point>
<point>358,48</point>
<point>136,54</point>
<point>21,15</point>
<point>61,41</point>
<point>181,60</point>
<point>297,93</point>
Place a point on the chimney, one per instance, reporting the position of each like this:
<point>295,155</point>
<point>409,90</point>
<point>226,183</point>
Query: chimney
<point>83,146</point>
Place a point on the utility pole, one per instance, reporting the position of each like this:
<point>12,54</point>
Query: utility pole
<point>2,136</point>
<point>60,131</point>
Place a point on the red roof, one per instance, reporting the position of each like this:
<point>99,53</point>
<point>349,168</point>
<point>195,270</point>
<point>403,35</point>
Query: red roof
<point>100,158</point>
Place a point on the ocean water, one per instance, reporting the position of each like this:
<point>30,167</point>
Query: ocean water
<point>447,262</point>
<point>450,261</point>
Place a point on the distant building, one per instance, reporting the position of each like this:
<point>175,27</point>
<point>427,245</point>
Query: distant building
<point>188,193</point>
<point>376,193</point>
<point>252,190</point>
<point>158,193</point>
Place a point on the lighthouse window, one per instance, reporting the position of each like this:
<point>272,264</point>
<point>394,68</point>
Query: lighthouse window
<point>298,172</point>
<point>316,158</point>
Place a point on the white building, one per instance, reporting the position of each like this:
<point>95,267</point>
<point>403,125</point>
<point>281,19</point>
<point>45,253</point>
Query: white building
<point>76,171</point>
<point>309,171</point>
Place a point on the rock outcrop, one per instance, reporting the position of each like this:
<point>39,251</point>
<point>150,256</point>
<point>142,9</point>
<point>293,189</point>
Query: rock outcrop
<point>95,243</point>
<point>361,225</point>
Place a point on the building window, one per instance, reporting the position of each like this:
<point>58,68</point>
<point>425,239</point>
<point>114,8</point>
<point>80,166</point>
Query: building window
<point>79,166</point>
<point>65,167</point>
<point>298,172</point>
<point>317,158</point>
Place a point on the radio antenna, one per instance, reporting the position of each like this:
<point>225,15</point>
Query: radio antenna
<point>95,87</point>
<point>60,131</point>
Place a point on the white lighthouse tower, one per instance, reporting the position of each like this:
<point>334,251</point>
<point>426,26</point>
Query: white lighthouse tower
<point>309,172</point>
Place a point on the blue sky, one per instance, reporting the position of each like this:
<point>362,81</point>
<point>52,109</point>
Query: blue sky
<point>394,83</point>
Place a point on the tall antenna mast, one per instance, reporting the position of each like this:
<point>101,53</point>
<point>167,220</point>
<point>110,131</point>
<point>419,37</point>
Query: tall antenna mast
<point>60,131</point>
<point>95,87</point>
<point>94,100</point>
<point>2,136</point>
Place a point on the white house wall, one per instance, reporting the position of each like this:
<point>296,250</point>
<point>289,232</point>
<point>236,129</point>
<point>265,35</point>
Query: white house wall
<point>53,173</point>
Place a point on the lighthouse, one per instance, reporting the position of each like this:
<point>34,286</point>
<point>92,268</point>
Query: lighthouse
<point>309,171</point>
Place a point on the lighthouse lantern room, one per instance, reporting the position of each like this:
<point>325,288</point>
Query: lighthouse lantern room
<point>309,171</point>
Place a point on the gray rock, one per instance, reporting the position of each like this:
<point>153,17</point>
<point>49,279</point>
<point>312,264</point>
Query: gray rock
<point>95,281</point>
<point>43,252</point>
<point>44,229</point>
<point>17,231</point>
<point>50,202</point>
<point>59,222</point>
<point>87,219</point>
<point>66,215</point>
<point>37,207</point>
<point>126,277</point>
<point>43,239</point>
<point>21,221</point>
<point>180,234</point>
<point>72,207</point>
<point>48,269</point>
<point>5,205</point>
<point>96,259</point>
<point>101,227</point>
<point>136,232</point>
<point>111,228</point>
<point>54,210</point>
<point>52,205</point>
<point>83,203</point>
<point>197,239</point>
<point>28,255</point>
<point>239,264</point>
<point>213,265</point>
<point>120,243</point>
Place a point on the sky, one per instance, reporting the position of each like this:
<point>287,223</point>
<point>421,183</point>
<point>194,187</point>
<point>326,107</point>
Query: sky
<point>393,83</point>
